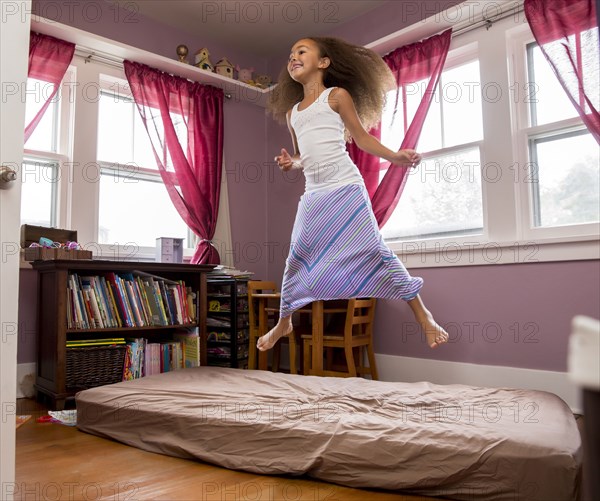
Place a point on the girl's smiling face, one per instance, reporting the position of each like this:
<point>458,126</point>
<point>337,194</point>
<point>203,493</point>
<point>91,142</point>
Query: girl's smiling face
<point>305,58</point>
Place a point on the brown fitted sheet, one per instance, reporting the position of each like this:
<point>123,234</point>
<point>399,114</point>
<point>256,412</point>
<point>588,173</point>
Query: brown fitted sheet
<point>454,441</point>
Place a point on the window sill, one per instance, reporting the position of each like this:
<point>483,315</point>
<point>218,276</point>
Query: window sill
<point>130,253</point>
<point>472,253</point>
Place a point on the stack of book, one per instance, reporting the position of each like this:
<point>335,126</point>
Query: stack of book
<point>81,343</point>
<point>145,358</point>
<point>222,271</point>
<point>135,299</point>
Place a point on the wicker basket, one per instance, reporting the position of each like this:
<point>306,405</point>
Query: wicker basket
<point>94,366</point>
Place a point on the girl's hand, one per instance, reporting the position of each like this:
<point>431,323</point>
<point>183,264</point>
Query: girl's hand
<point>284,160</point>
<point>407,158</point>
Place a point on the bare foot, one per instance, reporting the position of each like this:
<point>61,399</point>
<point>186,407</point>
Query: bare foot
<point>434,333</point>
<point>267,341</point>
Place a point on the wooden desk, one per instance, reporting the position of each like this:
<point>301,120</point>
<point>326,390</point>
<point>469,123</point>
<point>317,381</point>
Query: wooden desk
<point>317,310</point>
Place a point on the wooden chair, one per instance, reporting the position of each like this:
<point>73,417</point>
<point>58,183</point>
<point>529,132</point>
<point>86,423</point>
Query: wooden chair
<point>357,336</point>
<point>262,287</point>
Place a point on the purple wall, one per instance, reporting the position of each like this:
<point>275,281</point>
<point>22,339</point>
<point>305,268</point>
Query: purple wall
<point>515,315</point>
<point>244,160</point>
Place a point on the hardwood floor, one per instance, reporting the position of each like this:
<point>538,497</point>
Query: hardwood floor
<point>56,462</point>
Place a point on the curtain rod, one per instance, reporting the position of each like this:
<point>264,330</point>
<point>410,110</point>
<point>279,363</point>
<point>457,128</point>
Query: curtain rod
<point>90,55</point>
<point>515,10</point>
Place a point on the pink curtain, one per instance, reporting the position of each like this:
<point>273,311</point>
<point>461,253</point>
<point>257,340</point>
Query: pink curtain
<point>409,64</point>
<point>49,59</point>
<point>567,34</point>
<point>185,123</point>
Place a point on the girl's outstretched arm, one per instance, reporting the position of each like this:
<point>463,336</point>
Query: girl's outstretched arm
<point>341,102</point>
<point>285,160</point>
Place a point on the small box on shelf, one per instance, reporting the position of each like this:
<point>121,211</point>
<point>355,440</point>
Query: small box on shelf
<point>169,250</point>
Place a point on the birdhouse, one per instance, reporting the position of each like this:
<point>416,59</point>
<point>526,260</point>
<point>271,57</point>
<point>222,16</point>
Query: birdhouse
<point>202,60</point>
<point>225,68</point>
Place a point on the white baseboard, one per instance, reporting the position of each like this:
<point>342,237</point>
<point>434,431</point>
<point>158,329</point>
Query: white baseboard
<point>25,380</point>
<point>412,370</point>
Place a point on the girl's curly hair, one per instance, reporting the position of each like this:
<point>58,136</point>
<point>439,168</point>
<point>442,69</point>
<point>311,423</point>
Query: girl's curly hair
<point>362,72</point>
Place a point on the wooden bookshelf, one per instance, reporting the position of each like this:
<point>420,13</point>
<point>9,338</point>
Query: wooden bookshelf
<point>53,333</point>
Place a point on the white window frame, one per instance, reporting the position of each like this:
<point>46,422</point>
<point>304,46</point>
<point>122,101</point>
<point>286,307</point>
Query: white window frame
<point>60,209</point>
<point>519,40</point>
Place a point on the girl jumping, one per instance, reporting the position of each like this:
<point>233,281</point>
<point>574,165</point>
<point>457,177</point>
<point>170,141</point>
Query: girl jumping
<point>332,91</point>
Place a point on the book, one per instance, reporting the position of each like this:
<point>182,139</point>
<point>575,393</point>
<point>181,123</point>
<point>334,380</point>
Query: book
<point>94,342</point>
<point>134,301</point>
<point>113,282</point>
<point>134,357</point>
<point>21,420</point>
<point>141,291</point>
<point>191,347</point>
<point>89,286</point>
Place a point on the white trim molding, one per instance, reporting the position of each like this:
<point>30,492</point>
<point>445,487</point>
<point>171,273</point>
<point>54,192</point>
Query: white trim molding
<point>413,370</point>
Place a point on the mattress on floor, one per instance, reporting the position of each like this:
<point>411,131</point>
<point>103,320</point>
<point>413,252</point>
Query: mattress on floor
<point>454,441</point>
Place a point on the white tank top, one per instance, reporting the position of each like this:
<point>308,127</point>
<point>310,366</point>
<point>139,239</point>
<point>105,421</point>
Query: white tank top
<point>320,134</point>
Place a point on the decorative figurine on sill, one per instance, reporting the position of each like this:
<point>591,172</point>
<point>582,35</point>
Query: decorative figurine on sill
<point>202,60</point>
<point>225,68</point>
<point>182,52</point>
<point>245,75</point>
<point>263,81</point>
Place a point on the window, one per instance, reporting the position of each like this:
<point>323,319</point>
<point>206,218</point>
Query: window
<point>39,192</point>
<point>509,172</point>
<point>122,138</point>
<point>45,152</point>
<point>45,135</point>
<point>131,188</point>
<point>565,179</point>
<point>443,195</point>
<point>564,161</point>
<point>136,209</point>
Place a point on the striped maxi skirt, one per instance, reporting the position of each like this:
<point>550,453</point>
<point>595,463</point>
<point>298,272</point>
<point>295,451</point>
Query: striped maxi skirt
<point>337,252</point>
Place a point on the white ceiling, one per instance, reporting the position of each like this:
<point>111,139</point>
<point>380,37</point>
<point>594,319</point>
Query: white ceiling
<point>256,26</point>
